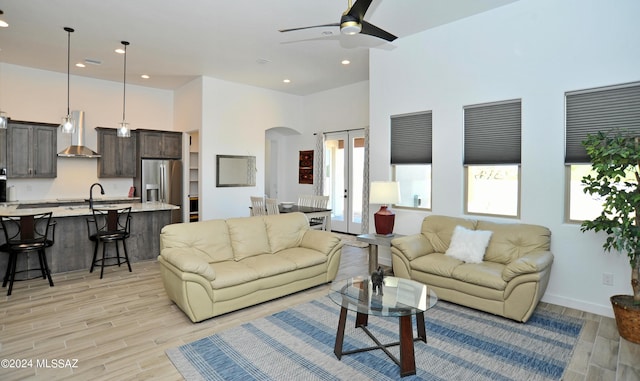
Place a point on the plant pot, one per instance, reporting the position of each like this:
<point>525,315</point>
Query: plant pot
<point>627,317</point>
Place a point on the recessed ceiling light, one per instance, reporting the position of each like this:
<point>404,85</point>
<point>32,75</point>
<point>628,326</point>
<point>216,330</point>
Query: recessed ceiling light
<point>346,62</point>
<point>80,64</point>
<point>145,76</point>
<point>286,81</point>
<point>119,51</point>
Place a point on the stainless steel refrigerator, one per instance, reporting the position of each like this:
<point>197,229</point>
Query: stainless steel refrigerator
<point>161,180</point>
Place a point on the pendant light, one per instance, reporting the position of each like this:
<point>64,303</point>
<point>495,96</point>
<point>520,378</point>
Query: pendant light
<point>123,128</point>
<point>3,115</point>
<point>68,125</point>
<point>4,118</point>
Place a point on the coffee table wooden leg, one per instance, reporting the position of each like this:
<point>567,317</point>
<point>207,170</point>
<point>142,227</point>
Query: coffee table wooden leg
<point>337,349</point>
<point>407,356</point>
<point>422,333</point>
<point>362,320</point>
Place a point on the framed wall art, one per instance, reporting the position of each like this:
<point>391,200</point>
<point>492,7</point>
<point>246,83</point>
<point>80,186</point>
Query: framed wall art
<point>305,167</point>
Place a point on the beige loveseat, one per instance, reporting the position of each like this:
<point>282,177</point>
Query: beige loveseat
<point>213,267</point>
<point>510,279</point>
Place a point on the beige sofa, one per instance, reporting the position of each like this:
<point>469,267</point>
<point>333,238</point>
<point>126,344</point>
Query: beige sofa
<point>213,267</point>
<point>509,281</point>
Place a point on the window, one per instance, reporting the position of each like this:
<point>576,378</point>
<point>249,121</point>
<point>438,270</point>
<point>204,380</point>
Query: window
<point>492,135</point>
<point>411,158</point>
<point>587,112</point>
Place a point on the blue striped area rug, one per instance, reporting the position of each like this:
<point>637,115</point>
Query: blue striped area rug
<point>462,344</point>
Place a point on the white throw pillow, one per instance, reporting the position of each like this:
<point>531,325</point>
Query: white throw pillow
<point>468,245</point>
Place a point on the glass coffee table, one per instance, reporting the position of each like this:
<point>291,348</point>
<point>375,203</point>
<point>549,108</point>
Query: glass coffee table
<point>401,298</point>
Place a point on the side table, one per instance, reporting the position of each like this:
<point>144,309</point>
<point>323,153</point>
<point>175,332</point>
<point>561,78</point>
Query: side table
<point>374,241</point>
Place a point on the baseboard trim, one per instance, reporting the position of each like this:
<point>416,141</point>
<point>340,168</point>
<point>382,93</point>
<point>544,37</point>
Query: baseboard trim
<point>598,309</point>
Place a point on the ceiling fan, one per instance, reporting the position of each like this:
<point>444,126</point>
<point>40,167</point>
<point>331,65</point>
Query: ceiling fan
<point>352,22</point>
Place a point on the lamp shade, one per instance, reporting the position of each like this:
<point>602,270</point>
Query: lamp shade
<point>384,193</point>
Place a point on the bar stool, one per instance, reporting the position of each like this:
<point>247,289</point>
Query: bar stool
<point>25,234</point>
<point>109,225</point>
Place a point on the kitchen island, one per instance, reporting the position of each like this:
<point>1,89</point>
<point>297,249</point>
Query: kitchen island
<point>72,249</point>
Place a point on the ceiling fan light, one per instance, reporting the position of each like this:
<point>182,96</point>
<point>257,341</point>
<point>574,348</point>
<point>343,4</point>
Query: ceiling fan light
<point>350,27</point>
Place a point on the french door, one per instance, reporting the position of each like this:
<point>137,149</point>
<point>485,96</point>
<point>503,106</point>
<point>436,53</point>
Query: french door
<point>344,154</point>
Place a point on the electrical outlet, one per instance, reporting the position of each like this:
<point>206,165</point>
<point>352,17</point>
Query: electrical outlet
<point>607,279</point>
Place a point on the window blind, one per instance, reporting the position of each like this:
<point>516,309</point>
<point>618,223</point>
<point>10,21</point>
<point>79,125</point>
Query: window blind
<point>602,109</point>
<point>492,133</point>
<point>411,138</point>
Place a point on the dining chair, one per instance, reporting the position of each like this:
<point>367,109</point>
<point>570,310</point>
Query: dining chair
<point>315,201</point>
<point>258,207</point>
<point>272,206</point>
<point>109,225</point>
<point>305,200</point>
<point>23,235</point>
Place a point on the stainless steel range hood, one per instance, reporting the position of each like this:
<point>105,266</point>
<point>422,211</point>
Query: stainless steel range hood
<point>77,147</point>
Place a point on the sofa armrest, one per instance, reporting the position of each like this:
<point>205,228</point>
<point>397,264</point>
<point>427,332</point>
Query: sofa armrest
<point>527,264</point>
<point>184,259</point>
<point>412,246</point>
<point>320,240</point>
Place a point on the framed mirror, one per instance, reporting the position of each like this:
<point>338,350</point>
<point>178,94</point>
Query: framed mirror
<point>235,171</point>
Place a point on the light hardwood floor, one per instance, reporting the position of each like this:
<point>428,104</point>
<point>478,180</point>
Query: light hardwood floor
<point>118,328</point>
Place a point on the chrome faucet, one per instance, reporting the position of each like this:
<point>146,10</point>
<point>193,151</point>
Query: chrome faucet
<point>91,194</point>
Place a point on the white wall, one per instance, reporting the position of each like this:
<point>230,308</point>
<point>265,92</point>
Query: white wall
<point>535,50</point>
<point>343,108</point>
<point>234,120</point>
<point>41,96</point>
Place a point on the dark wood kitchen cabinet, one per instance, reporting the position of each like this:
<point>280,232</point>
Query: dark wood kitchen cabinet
<point>3,148</point>
<point>160,144</point>
<point>31,150</point>
<point>117,155</point>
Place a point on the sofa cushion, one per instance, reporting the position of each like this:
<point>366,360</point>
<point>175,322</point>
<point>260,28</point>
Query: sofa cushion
<point>436,263</point>
<point>439,230</point>
<point>468,245</point>
<point>511,241</point>
<point>248,237</point>
<point>486,274</point>
<point>268,264</point>
<point>231,273</point>
<point>209,239</point>
<point>285,230</point>
<point>302,257</point>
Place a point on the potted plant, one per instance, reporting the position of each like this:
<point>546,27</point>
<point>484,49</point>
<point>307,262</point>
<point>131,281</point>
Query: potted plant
<point>615,158</point>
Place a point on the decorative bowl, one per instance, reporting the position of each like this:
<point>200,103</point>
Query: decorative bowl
<point>287,205</point>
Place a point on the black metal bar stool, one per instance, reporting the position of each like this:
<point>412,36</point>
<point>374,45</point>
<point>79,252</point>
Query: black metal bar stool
<point>109,225</point>
<point>25,234</point>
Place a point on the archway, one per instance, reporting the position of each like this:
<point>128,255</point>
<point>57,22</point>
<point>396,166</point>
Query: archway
<point>272,137</point>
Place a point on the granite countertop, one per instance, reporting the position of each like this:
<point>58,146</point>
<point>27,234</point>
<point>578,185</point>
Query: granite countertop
<point>80,207</point>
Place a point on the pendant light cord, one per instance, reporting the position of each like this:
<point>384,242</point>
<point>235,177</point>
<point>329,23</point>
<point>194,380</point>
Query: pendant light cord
<point>124,81</point>
<point>69,30</point>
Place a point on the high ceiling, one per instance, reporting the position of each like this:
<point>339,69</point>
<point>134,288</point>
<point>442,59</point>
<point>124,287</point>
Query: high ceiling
<point>238,41</point>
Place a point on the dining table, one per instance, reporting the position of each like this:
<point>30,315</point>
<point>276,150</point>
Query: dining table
<point>309,211</point>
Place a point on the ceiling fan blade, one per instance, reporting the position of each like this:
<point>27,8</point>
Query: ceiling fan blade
<point>309,27</point>
<point>359,8</point>
<point>373,30</point>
